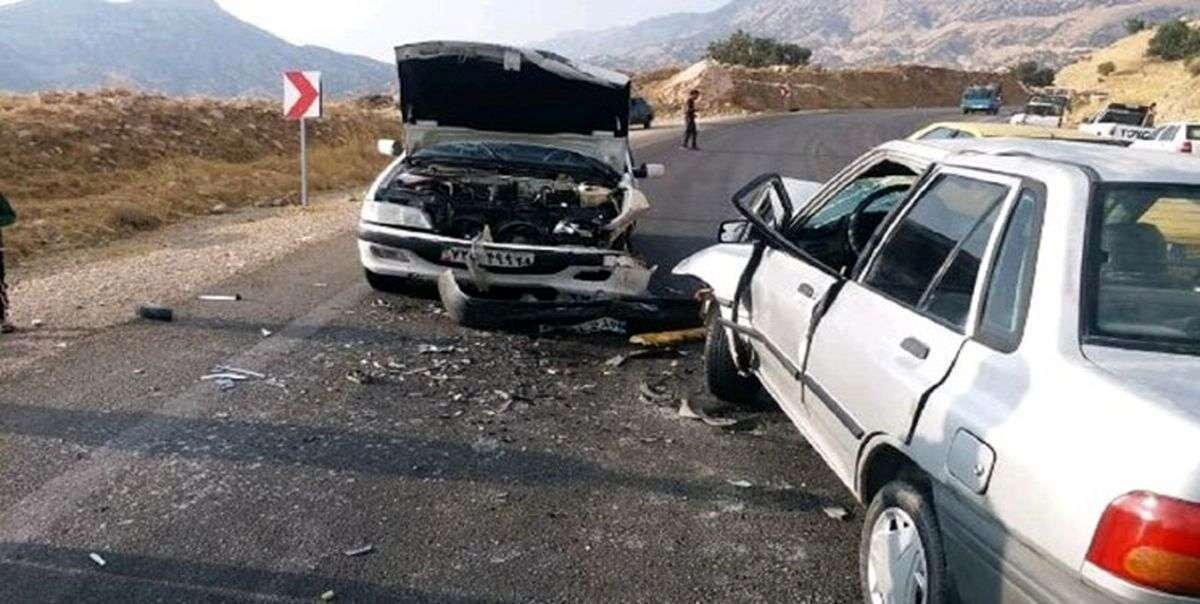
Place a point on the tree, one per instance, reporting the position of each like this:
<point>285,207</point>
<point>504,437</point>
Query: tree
<point>1106,68</point>
<point>1134,26</point>
<point>743,49</point>
<point>1032,73</point>
<point>1174,40</point>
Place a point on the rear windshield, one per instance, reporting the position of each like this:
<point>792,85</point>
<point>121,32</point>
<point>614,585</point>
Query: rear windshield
<point>1119,116</point>
<point>1044,110</point>
<point>1143,267</point>
<point>1193,133</point>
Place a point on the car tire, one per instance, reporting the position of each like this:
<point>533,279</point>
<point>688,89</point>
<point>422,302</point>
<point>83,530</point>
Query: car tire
<point>387,283</point>
<point>647,124</point>
<point>724,380</point>
<point>901,516</point>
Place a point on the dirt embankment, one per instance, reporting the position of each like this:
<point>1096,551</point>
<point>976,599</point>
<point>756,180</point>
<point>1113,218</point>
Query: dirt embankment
<point>1137,79</point>
<point>84,168</point>
<point>730,90</point>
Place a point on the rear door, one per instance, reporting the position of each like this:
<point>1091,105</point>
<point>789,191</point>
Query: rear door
<point>894,331</point>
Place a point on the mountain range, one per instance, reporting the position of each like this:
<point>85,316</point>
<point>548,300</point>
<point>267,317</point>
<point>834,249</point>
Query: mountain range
<point>177,47</point>
<point>969,34</point>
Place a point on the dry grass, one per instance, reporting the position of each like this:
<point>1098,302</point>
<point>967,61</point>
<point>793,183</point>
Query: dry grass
<point>85,168</point>
<point>1138,79</point>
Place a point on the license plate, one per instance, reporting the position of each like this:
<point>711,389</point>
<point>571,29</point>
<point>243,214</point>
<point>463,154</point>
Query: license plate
<point>490,258</point>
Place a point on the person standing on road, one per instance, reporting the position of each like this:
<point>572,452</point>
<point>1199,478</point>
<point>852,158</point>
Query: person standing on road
<point>691,133</point>
<point>7,218</point>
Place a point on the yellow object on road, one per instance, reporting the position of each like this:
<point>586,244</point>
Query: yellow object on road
<point>663,339</point>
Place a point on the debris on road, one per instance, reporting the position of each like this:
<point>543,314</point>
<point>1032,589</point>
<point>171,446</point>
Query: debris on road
<point>152,312</point>
<point>653,394</point>
<point>36,323</point>
<point>741,484</point>
<point>245,372</point>
<point>266,333</point>
<point>619,360</point>
<point>99,560</point>
<point>669,338</point>
<point>359,551</point>
<point>220,298</point>
<point>361,378</point>
<point>837,513</point>
<point>686,411</point>
<point>435,349</point>
<point>328,596</point>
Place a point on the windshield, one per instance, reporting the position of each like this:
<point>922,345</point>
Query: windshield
<point>1120,116</point>
<point>978,93</point>
<point>1045,110</point>
<point>1144,267</point>
<point>490,153</point>
<point>1193,133</point>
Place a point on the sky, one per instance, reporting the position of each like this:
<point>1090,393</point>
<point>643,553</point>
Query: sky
<point>374,27</point>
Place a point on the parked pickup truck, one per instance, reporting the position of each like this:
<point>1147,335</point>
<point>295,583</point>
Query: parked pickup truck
<point>1128,122</point>
<point>1042,110</point>
<point>995,345</point>
<point>1180,137</point>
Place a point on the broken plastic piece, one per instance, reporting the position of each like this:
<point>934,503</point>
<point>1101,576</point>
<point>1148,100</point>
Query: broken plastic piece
<point>686,411</point>
<point>151,312</point>
<point>837,513</point>
<point>100,561</point>
<point>220,297</point>
<point>359,551</point>
<point>328,596</point>
<point>670,338</point>
<point>741,484</point>
<point>650,394</point>
<point>245,372</point>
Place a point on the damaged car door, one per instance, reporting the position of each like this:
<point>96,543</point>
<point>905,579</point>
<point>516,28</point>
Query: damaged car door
<point>896,328</point>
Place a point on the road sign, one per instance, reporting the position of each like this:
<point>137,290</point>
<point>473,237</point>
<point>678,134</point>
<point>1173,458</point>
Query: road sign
<point>302,94</point>
<point>302,102</point>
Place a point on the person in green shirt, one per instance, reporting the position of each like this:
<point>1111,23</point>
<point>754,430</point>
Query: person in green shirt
<point>7,218</point>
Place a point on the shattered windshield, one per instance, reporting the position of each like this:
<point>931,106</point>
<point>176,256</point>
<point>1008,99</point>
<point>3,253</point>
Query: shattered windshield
<point>1121,116</point>
<point>485,153</point>
<point>1144,267</point>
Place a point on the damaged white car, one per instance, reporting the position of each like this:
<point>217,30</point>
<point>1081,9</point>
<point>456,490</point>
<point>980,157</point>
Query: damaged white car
<point>515,174</point>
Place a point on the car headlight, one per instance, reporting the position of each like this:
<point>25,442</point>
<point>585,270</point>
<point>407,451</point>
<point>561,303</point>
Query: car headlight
<point>394,214</point>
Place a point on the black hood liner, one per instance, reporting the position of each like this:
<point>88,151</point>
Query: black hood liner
<point>486,87</point>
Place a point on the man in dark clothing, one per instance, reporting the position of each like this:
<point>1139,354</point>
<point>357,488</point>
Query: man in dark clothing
<point>691,133</point>
<point>7,218</point>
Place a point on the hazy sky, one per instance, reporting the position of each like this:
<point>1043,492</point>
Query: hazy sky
<point>373,27</point>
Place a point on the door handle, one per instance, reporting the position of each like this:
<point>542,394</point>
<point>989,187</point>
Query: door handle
<point>806,290</point>
<point>916,348</point>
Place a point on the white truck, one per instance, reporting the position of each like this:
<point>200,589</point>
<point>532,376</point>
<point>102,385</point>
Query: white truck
<point>1120,121</point>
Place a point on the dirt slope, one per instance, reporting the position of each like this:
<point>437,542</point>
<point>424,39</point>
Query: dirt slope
<point>83,168</point>
<point>1138,79</point>
<point>731,89</point>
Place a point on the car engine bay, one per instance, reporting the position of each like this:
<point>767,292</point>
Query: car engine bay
<point>517,207</point>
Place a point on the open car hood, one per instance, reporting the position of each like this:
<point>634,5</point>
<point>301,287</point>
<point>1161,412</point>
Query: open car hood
<point>485,87</point>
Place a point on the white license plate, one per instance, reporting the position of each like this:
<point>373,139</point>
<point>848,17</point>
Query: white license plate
<point>490,258</point>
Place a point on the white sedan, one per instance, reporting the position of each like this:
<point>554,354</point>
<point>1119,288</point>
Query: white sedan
<point>996,346</point>
<point>1179,137</point>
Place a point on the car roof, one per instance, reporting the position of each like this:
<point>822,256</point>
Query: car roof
<point>999,129</point>
<point>1115,164</point>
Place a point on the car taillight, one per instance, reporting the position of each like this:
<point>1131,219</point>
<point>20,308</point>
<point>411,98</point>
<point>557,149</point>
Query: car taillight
<point>1185,147</point>
<point>1152,541</point>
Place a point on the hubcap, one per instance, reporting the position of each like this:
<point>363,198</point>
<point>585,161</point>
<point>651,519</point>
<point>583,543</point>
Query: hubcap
<point>896,569</point>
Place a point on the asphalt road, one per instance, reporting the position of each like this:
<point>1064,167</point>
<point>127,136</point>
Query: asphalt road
<point>478,467</point>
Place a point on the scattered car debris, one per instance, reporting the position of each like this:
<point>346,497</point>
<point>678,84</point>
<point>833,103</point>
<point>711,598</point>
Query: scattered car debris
<point>36,323</point>
<point>224,376</point>
<point>152,312</point>
<point>435,349</point>
<point>328,596</point>
<point>837,513</point>
<point>630,313</point>
<point>220,298</point>
<point>670,338</point>
<point>621,359</point>
<point>98,559</point>
<point>686,411</point>
<point>741,484</point>
<point>361,378</point>
<point>266,333</point>
<point>652,394</point>
<point>359,551</point>
<point>245,372</point>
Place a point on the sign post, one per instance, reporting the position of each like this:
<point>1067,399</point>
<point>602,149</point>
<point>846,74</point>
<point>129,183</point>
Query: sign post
<point>302,100</point>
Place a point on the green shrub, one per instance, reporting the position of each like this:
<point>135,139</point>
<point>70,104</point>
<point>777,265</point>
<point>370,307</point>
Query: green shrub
<point>1134,26</point>
<point>743,49</point>
<point>1174,40</point>
<point>1032,73</point>
<point>1106,68</point>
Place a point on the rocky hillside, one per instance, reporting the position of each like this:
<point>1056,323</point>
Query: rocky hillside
<point>179,47</point>
<point>1138,79</point>
<point>733,90</point>
<point>969,34</point>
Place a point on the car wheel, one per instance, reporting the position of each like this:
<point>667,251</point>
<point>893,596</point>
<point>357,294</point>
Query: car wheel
<point>647,124</point>
<point>901,559</point>
<point>724,380</point>
<point>387,284</point>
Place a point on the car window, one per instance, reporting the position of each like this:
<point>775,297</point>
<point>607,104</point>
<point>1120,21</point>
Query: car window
<point>1144,267</point>
<point>1007,299</point>
<point>1193,133</point>
<point>933,253</point>
<point>940,134</point>
<point>1168,133</point>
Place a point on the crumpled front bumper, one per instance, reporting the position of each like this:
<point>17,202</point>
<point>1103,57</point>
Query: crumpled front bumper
<point>570,271</point>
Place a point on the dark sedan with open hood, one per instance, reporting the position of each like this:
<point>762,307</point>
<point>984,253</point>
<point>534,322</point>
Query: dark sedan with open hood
<point>514,174</point>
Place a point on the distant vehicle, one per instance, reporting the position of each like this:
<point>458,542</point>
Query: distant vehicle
<point>641,112</point>
<point>1118,120</point>
<point>948,130</point>
<point>1176,138</point>
<point>982,99</point>
<point>995,345</point>
<point>1048,111</point>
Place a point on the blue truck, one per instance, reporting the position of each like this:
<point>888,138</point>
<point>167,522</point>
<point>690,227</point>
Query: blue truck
<point>982,99</point>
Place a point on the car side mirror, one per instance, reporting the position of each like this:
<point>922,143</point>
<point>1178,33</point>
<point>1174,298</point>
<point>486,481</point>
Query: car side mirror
<point>388,147</point>
<point>733,231</point>
<point>650,171</point>
<point>765,200</point>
